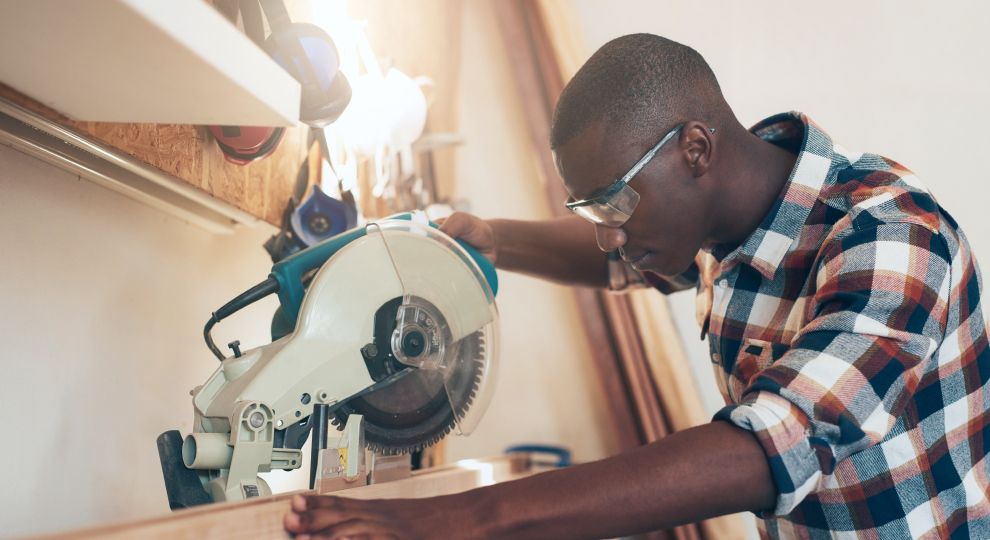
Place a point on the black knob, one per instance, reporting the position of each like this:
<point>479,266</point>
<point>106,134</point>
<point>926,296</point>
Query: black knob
<point>236,347</point>
<point>413,344</point>
<point>369,351</point>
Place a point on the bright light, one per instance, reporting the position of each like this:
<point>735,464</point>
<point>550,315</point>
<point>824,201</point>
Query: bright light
<point>347,33</point>
<point>486,471</point>
<point>387,112</point>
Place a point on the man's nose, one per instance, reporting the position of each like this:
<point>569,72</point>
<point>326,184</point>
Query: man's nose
<point>610,238</point>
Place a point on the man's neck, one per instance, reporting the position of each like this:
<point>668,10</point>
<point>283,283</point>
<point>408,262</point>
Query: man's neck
<point>759,172</point>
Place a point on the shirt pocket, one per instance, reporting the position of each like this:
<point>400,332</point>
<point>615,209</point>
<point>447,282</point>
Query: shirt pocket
<point>754,356</point>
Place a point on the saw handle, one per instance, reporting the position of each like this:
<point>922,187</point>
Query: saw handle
<point>289,272</point>
<point>242,300</point>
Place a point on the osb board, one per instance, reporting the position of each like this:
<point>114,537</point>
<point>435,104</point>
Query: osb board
<point>189,154</point>
<point>262,517</point>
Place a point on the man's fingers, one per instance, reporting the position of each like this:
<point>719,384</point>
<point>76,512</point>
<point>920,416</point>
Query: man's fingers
<point>473,230</point>
<point>314,513</point>
<point>465,226</point>
<point>319,520</point>
<point>312,521</point>
<point>302,503</point>
<point>291,521</point>
<point>360,529</point>
<point>320,516</point>
<point>455,224</point>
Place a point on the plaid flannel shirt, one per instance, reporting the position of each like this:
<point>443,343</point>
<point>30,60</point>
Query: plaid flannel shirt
<point>847,335</point>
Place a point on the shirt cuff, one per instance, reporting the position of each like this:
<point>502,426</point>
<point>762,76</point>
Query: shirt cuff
<point>782,430</point>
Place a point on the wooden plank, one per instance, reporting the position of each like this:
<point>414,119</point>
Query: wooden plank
<point>634,365</point>
<point>537,105</point>
<point>143,61</point>
<point>262,517</point>
<point>667,361</point>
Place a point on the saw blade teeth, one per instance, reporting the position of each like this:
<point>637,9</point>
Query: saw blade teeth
<point>389,436</point>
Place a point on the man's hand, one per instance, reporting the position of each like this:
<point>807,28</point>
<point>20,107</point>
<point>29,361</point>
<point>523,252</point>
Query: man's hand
<point>561,250</point>
<point>473,230</point>
<point>317,516</point>
<point>688,476</point>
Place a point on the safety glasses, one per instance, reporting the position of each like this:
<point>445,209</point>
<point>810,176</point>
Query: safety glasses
<point>613,206</point>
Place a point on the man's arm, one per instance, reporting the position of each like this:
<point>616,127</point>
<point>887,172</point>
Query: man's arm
<point>698,473</point>
<point>563,250</point>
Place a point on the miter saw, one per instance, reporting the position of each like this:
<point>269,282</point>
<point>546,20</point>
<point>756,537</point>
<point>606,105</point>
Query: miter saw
<point>388,329</point>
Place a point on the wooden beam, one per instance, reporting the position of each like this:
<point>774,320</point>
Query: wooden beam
<point>515,19</point>
<point>261,518</point>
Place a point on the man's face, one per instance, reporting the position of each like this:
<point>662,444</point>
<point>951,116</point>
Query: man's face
<point>669,225</point>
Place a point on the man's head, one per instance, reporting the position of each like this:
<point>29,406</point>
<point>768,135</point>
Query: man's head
<point>630,94</point>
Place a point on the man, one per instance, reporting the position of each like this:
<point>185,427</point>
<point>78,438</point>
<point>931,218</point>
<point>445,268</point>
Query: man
<point>840,301</point>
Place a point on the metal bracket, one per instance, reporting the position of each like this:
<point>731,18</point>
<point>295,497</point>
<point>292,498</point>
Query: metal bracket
<point>344,464</point>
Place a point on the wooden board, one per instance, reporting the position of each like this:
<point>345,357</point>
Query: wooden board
<point>189,154</point>
<point>142,61</point>
<point>262,518</point>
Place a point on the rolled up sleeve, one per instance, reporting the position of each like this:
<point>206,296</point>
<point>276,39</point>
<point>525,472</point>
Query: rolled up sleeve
<point>880,311</point>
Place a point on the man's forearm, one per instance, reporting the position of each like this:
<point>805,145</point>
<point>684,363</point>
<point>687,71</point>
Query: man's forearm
<point>702,472</point>
<point>562,250</point>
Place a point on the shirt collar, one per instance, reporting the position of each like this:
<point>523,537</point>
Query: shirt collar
<point>779,231</point>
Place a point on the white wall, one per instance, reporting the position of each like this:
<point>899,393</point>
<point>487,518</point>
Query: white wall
<point>102,303</point>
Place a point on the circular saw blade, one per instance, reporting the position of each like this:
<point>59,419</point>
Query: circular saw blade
<point>421,408</point>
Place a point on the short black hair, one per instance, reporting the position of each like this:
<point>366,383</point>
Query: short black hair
<point>638,84</point>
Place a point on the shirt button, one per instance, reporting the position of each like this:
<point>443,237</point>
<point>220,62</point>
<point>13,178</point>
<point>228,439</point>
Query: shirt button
<point>723,283</point>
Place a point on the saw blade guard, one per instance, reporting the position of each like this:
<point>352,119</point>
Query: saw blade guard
<point>447,320</point>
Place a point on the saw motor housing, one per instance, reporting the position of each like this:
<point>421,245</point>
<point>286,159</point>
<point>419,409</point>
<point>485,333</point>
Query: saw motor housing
<point>397,323</point>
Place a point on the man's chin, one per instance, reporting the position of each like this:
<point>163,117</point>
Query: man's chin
<point>657,265</point>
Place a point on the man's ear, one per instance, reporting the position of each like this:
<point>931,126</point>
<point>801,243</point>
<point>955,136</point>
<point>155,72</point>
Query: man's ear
<point>697,143</point>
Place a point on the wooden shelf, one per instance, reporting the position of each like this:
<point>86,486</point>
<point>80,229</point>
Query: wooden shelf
<point>141,79</point>
<point>186,153</point>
